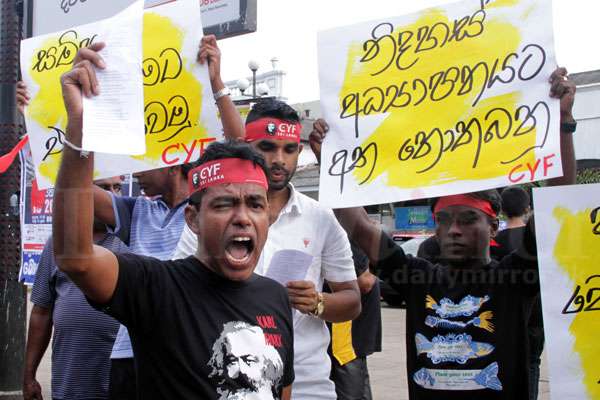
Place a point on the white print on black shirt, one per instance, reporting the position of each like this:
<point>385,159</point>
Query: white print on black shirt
<point>244,365</point>
<point>456,347</point>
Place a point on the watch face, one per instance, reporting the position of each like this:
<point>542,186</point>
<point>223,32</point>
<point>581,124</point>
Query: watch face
<point>320,308</point>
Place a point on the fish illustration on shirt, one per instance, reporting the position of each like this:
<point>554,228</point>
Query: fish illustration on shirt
<point>446,308</point>
<point>483,321</point>
<point>452,348</point>
<point>456,379</point>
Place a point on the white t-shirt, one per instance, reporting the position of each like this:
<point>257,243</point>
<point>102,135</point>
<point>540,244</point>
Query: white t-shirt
<point>304,225</point>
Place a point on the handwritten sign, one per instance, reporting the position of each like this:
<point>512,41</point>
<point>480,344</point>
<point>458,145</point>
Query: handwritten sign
<point>449,100</point>
<point>180,116</point>
<point>568,238</point>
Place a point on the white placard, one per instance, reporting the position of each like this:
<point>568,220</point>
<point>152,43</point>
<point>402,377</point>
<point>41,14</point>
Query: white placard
<point>180,116</point>
<point>567,222</point>
<point>448,100</point>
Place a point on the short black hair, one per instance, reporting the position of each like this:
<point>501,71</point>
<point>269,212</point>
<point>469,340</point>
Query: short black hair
<point>274,109</point>
<point>186,168</point>
<point>515,201</point>
<point>226,149</point>
<point>491,196</point>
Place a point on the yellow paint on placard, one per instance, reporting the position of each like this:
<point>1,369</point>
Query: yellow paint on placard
<point>51,60</point>
<point>576,252</point>
<point>46,105</point>
<point>427,166</point>
<point>172,94</point>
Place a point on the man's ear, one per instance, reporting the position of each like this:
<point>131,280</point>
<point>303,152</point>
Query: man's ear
<point>191,217</point>
<point>300,148</point>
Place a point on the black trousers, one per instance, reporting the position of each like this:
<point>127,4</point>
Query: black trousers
<point>123,383</point>
<point>352,379</point>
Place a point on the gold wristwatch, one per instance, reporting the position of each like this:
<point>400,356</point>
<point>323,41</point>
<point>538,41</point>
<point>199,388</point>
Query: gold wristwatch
<point>320,307</point>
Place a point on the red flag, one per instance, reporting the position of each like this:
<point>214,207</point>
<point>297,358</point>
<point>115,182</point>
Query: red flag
<point>7,159</point>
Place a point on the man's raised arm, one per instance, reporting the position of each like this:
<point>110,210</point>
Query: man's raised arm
<point>93,268</point>
<point>233,126</point>
<point>355,220</point>
<point>564,89</point>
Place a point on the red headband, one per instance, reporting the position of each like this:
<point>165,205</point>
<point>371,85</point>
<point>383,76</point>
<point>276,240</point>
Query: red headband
<point>225,170</point>
<point>273,128</point>
<point>464,200</point>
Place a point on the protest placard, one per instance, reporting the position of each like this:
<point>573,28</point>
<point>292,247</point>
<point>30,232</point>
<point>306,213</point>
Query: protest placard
<point>180,115</point>
<point>452,99</point>
<point>568,239</point>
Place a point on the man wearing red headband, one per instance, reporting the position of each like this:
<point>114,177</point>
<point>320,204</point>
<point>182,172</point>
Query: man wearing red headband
<point>301,229</point>
<point>205,327</point>
<point>466,316</point>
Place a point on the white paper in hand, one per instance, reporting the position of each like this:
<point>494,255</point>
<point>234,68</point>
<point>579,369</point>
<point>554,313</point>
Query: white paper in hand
<point>113,122</point>
<point>289,265</point>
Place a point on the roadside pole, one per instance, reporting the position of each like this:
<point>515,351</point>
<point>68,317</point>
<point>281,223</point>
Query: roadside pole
<point>13,304</point>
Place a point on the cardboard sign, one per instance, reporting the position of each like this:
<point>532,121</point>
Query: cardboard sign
<point>568,239</point>
<point>180,115</point>
<point>449,100</point>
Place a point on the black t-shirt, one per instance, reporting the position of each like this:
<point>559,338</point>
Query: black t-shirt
<point>509,240</point>
<point>466,329</point>
<point>196,335</point>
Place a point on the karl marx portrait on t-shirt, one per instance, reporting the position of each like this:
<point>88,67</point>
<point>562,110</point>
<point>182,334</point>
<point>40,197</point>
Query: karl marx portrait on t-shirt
<point>244,365</point>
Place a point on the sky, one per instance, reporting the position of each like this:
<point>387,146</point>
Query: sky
<point>287,29</point>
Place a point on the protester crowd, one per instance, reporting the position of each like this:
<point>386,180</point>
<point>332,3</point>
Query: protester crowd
<point>168,295</point>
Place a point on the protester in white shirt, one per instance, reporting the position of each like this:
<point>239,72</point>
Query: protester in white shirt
<point>302,234</point>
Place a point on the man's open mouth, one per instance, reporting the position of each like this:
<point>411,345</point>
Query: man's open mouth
<point>239,249</point>
<point>278,173</point>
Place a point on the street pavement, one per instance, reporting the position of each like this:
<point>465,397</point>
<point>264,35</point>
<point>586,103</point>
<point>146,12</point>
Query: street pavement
<point>387,369</point>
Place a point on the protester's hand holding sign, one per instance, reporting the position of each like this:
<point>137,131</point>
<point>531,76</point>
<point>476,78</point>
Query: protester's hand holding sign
<point>81,80</point>
<point>22,96</point>
<point>317,136</point>
<point>211,54</point>
<point>233,127</point>
<point>564,89</point>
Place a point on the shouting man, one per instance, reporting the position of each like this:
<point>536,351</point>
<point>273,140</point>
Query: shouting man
<point>176,311</point>
<point>305,237</point>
